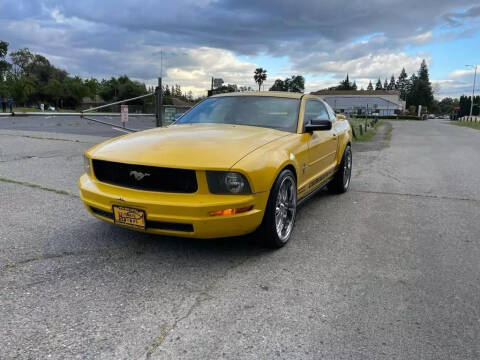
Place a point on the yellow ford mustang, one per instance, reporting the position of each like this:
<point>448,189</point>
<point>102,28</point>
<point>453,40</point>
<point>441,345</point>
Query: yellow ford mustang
<point>233,164</point>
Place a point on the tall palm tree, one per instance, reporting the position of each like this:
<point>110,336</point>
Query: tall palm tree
<point>260,76</point>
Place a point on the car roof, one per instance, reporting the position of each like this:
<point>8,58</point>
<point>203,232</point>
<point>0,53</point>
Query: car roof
<point>280,94</point>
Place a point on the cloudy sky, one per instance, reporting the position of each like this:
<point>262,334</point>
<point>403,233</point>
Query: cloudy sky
<point>320,39</point>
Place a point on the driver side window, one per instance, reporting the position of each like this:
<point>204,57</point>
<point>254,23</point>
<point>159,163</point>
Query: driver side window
<point>314,110</point>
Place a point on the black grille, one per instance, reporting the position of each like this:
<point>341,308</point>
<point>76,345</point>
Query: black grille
<point>100,212</point>
<point>169,226</point>
<point>154,179</point>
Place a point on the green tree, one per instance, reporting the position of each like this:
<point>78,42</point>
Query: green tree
<point>75,91</point>
<point>419,90</point>
<point>53,90</point>
<point>392,85</point>
<point>20,87</point>
<point>278,85</point>
<point>385,84</point>
<point>167,91</point>
<point>378,85</point>
<point>354,86</point>
<point>5,66</point>
<point>370,86</point>
<point>21,59</point>
<point>411,90</point>
<point>403,84</point>
<point>423,87</point>
<point>447,105</point>
<point>296,83</point>
<point>109,89</point>
<point>345,84</point>
<point>260,75</point>
<point>93,87</point>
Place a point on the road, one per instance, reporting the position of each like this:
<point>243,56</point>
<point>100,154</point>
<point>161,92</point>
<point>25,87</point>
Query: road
<point>74,124</point>
<point>389,270</point>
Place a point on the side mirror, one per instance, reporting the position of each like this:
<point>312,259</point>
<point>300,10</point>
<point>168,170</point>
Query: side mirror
<point>341,117</point>
<point>318,125</point>
<point>177,116</point>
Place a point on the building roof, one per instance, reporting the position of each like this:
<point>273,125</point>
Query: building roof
<point>356,92</point>
<point>341,101</point>
<point>283,94</point>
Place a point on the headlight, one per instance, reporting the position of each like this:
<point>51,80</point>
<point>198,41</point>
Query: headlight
<point>86,165</point>
<point>227,182</point>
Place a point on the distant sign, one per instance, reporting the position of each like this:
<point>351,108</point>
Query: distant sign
<point>124,112</point>
<point>217,83</point>
<point>169,115</point>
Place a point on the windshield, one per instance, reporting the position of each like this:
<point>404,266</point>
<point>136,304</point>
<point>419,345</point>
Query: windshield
<point>271,112</point>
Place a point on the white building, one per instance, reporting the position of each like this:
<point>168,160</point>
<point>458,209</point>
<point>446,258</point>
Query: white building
<point>382,102</point>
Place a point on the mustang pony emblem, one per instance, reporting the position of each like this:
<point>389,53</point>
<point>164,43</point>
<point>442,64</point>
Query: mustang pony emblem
<point>138,175</point>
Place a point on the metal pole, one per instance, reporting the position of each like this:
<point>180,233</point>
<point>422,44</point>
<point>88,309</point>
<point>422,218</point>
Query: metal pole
<point>106,123</point>
<point>473,91</point>
<point>116,103</point>
<point>159,103</point>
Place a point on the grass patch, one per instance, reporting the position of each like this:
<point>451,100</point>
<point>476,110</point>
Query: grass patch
<point>471,125</point>
<point>36,186</point>
<point>370,132</point>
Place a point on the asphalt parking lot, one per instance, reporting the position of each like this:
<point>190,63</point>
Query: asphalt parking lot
<point>389,270</point>
<point>75,125</point>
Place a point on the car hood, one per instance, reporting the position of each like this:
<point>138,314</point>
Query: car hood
<point>192,146</point>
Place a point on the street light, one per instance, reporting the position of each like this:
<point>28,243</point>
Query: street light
<point>473,90</point>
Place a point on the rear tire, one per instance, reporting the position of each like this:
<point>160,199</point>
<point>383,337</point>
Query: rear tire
<point>279,218</point>
<point>341,180</point>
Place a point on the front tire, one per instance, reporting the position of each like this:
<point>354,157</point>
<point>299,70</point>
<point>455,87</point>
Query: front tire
<point>341,181</point>
<point>279,218</point>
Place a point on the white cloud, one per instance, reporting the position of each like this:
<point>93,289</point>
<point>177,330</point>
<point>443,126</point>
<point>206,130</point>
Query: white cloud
<point>458,82</point>
<point>201,38</point>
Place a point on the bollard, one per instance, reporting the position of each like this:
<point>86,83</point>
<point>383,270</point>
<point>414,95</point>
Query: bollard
<point>361,130</point>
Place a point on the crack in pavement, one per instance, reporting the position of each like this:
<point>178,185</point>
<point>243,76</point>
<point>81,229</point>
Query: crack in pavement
<point>49,138</point>
<point>416,195</point>
<point>202,295</point>
<point>101,252</point>
<point>29,157</point>
<point>40,187</point>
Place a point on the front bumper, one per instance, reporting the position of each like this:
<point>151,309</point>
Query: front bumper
<point>185,215</point>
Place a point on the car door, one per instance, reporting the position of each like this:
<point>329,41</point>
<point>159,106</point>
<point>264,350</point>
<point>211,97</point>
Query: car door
<point>322,145</point>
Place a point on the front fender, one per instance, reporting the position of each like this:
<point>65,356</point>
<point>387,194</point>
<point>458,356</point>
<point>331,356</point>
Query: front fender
<point>264,165</point>
<point>344,132</point>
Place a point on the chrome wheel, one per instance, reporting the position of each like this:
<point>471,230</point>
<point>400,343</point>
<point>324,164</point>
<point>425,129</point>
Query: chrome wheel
<point>347,168</point>
<point>285,208</point>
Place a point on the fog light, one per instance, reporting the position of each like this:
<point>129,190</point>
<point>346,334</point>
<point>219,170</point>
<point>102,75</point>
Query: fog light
<point>231,211</point>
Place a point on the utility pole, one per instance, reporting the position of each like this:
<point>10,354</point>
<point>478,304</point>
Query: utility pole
<point>161,63</point>
<point>159,103</point>
<point>473,92</point>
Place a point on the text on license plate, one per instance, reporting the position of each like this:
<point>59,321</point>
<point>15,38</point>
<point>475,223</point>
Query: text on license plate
<point>129,217</point>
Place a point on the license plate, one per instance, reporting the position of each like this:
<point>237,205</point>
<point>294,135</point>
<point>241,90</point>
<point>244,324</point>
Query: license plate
<point>129,217</point>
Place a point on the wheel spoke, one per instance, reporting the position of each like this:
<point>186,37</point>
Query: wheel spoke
<point>285,208</point>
